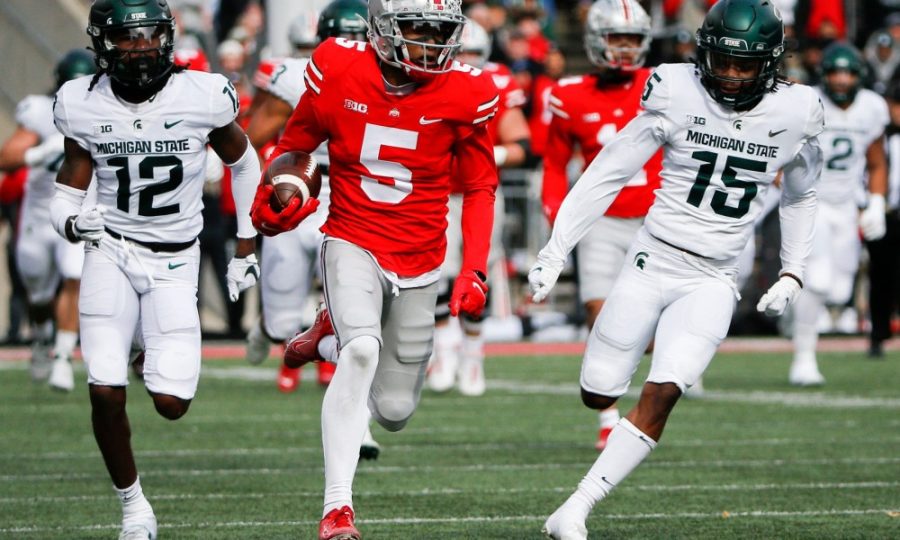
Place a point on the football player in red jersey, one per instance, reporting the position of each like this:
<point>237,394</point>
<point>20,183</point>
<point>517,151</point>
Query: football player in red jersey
<point>459,352</point>
<point>396,112</point>
<point>587,112</point>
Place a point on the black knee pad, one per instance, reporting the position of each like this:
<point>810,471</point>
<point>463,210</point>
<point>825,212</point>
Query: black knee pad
<point>442,307</point>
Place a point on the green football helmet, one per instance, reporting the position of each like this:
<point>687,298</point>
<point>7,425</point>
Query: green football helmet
<point>343,18</point>
<point>842,57</point>
<point>133,40</point>
<point>740,36</point>
<point>76,63</point>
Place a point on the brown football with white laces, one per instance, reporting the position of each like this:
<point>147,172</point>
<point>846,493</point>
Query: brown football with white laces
<point>293,174</point>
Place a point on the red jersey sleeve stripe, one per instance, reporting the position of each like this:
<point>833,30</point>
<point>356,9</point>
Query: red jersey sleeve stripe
<point>488,104</point>
<point>309,84</point>
<point>315,70</point>
<point>484,118</point>
<point>558,112</point>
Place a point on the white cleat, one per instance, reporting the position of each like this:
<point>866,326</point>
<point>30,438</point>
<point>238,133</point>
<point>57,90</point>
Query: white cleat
<point>562,525</point>
<point>62,376</point>
<point>442,372</point>
<point>258,345</point>
<point>369,448</point>
<point>142,529</point>
<point>470,377</point>
<point>805,374</point>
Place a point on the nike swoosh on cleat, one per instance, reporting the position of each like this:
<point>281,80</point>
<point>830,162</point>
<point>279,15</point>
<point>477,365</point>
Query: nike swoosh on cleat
<point>425,121</point>
<point>168,125</point>
<point>776,133</point>
<point>174,266</point>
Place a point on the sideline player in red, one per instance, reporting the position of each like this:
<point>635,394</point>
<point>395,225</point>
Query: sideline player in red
<point>458,345</point>
<point>588,111</point>
<point>396,112</point>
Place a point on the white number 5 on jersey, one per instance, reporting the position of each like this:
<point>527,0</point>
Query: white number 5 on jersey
<point>374,138</point>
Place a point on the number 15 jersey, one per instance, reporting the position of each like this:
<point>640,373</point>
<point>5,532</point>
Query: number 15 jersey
<point>391,154</point>
<point>717,165</point>
<point>149,157</point>
<point>717,162</point>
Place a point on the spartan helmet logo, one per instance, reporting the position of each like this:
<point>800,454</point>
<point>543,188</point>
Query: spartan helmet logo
<point>641,259</point>
<point>738,124</point>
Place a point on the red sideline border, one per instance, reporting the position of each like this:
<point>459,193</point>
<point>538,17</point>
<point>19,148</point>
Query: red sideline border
<point>226,350</point>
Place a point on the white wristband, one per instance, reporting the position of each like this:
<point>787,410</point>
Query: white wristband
<point>500,155</point>
<point>66,203</point>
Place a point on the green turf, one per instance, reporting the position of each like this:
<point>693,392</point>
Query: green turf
<point>755,458</point>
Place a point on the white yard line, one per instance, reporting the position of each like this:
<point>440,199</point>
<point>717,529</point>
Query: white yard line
<point>799,398</point>
<point>890,512</point>
<point>440,492</point>
<point>436,469</point>
<point>429,447</point>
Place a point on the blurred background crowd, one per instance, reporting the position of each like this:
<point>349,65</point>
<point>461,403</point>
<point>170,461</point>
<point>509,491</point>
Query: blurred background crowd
<point>540,41</point>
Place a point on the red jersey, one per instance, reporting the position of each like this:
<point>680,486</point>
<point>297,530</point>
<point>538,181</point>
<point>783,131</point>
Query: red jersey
<point>511,96</point>
<point>539,120</point>
<point>391,156</point>
<point>588,113</point>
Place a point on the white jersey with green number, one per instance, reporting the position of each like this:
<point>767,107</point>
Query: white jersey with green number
<point>718,163</point>
<point>717,166</point>
<point>149,158</point>
<point>847,136</point>
<point>35,113</point>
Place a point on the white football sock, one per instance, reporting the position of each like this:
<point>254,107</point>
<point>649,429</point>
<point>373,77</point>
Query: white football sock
<point>473,348</point>
<point>328,349</point>
<point>134,504</point>
<point>447,339</point>
<point>345,415</point>
<point>626,449</point>
<point>609,417</point>
<point>806,314</point>
<point>65,343</point>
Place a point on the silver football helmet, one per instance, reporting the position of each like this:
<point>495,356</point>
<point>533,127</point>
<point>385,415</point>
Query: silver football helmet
<point>302,32</point>
<point>441,20</point>
<point>476,41</point>
<point>607,17</point>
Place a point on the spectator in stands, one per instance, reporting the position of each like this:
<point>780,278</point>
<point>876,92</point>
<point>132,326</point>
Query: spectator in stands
<point>883,59</point>
<point>877,14</point>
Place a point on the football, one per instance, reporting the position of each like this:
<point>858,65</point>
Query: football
<point>293,174</point>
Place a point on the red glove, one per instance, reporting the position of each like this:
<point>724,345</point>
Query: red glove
<point>469,294</point>
<point>269,222</point>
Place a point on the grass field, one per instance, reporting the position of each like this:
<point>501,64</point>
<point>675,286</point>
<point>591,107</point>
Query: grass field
<point>753,458</point>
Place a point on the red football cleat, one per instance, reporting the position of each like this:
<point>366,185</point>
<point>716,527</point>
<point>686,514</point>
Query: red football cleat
<point>338,525</point>
<point>326,372</point>
<point>304,347</point>
<point>288,379</point>
<point>602,437</point>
